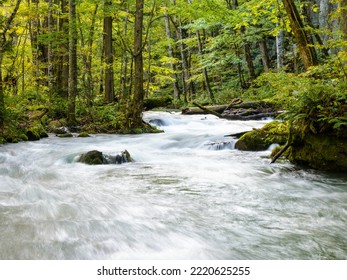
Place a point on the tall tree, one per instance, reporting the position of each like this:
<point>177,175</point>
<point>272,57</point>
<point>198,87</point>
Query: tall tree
<point>343,21</point>
<point>3,41</point>
<point>137,103</point>
<point>307,51</point>
<point>171,55</point>
<point>108,53</point>
<point>71,115</point>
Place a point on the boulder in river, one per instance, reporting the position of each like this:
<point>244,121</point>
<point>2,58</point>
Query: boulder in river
<point>96,157</point>
<point>261,139</point>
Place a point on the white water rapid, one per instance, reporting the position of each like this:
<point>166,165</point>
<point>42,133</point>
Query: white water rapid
<point>188,195</point>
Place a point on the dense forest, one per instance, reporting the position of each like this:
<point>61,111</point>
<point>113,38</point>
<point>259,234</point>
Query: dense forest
<point>94,66</point>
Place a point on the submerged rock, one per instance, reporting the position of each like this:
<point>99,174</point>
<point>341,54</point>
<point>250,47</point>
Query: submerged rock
<point>96,157</point>
<point>261,139</point>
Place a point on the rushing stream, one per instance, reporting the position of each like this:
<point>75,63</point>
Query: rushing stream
<point>188,195</point>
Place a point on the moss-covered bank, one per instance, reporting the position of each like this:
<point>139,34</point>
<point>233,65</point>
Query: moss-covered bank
<point>323,151</point>
<point>319,151</point>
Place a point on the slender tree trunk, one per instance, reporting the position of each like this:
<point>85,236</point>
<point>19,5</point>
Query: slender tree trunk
<point>324,10</point>
<point>264,55</point>
<point>280,50</point>
<point>2,93</point>
<point>343,22</point>
<point>108,54</point>
<point>171,55</point>
<point>3,32</point>
<point>148,83</point>
<point>137,104</point>
<point>248,56</point>
<point>49,47</point>
<point>71,116</point>
<point>184,61</point>
<point>61,70</point>
<point>124,72</point>
<point>305,45</point>
<point>204,70</point>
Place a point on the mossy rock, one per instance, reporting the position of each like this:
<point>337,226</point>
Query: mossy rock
<point>65,135</point>
<point>323,152</point>
<point>92,158</point>
<point>36,131</point>
<point>261,139</point>
<point>83,134</point>
<point>96,158</point>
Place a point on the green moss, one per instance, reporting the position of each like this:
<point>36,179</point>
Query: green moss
<point>83,134</point>
<point>261,139</point>
<point>65,135</point>
<point>324,152</point>
<point>36,131</point>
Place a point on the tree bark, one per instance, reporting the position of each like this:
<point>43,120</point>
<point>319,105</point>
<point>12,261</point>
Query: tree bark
<point>204,70</point>
<point>171,55</point>
<point>280,49</point>
<point>264,55</point>
<point>71,115</point>
<point>137,104</point>
<point>108,54</point>
<point>343,22</point>
<point>3,32</point>
<point>305,44</point>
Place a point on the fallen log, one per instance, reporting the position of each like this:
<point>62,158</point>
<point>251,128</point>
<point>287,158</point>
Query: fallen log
<point>197,110</point>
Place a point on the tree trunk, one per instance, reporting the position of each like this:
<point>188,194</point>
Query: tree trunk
<point>171,55</point>
<point>305,44</point>
<point>124,72</point>
<point>3,31</point>
<point>2,94</point>
<point>71,115</point>
<point>324,10</point>
<point>137,104</point>
<point>61,69</point>
<point>184,62</point>
<point>280,50</point>
<point>108,54</point>
<point>343,22</point>
<point>264,55</point>
<point>204,70</point>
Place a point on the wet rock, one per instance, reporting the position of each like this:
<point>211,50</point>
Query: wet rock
<point>83,134</point>
<point>261,139</point>
<point>96,157</point>
<point>65,135</point>
<point>92,157</point>
<point>323,152</point>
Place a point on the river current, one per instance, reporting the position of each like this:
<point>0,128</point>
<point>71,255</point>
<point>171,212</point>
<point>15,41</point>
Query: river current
<point>188,195</point>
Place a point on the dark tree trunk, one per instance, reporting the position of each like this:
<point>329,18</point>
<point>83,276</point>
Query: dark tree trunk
<point>137,104</point>
<point>305,44</point>
<point>108,54</point>
<point>3,31</point>
<point>343,22</point>
<point>264,55</point>
<point>71,115</point>
<point>171,55</point>
<point>204,70</point>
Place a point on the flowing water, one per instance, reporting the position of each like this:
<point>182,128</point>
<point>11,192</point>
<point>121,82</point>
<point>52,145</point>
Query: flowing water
<point>188,195</point>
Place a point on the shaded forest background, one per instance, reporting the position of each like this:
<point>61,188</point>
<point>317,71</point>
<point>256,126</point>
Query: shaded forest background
<point>92,65</point>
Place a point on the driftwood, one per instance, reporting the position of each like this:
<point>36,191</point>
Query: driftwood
<point>281,152</point>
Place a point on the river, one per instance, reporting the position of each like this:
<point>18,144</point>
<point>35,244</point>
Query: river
<point>188,195</point>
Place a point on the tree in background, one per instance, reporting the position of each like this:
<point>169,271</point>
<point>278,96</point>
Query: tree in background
<point>5,25</point>
<point>71,114</point>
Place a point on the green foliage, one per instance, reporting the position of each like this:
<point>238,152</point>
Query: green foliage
<point>320,107</point>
